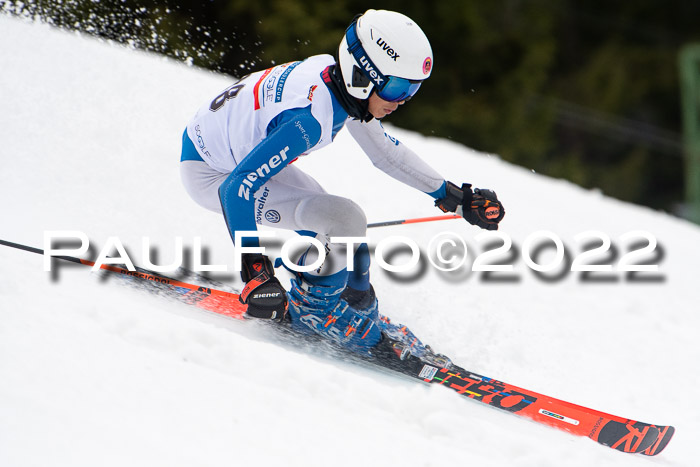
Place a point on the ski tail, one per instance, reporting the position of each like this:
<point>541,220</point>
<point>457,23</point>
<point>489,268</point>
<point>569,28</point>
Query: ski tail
<point>206,298</point>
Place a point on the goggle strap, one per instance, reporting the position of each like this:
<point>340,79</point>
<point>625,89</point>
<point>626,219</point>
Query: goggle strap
<point>357,51</point>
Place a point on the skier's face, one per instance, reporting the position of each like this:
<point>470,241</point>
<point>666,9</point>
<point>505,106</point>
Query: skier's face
<point>379,108</point>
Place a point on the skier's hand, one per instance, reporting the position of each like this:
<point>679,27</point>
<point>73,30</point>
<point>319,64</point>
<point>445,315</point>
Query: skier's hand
<point>263,293</point>
<point>479,207</point>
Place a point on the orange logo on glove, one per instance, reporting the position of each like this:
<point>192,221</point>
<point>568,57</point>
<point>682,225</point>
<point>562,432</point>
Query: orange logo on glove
<point>492,212</point>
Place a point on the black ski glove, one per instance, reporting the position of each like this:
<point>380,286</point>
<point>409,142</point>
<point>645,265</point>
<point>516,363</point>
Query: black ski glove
<point>263,293</point>
<point>479,207</point>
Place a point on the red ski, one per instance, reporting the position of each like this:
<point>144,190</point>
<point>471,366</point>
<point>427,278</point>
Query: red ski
<point>619,433</point>
<point>610,430</point>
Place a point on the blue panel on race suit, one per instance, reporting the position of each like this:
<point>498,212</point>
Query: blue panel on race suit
<point>440,192</point>
<point>339,116</point>
<point>294,133</point>
<point>189,152</point>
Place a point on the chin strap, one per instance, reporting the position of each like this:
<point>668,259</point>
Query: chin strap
<point>356,108</point>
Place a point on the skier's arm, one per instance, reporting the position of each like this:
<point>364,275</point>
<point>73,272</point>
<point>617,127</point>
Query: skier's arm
<point>479,207</point>
<point>289,135</point>
<point>394,158</point>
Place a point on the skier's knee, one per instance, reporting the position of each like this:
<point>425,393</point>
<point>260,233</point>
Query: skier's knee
<point>354,221</point>
<point>334,216</point>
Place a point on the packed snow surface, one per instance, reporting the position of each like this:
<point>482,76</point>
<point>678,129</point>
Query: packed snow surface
<point>92,373</point>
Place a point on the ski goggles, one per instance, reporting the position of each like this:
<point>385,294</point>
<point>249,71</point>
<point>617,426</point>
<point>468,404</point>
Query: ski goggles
<point>398,89</point>
<point>389,88</point>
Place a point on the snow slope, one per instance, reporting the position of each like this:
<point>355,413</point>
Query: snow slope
<point>96,374</point>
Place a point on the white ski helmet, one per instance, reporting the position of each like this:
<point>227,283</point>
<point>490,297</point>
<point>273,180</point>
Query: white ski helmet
<point>386,52</point>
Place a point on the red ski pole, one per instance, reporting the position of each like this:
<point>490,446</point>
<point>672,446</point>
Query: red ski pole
<point>414,221</point>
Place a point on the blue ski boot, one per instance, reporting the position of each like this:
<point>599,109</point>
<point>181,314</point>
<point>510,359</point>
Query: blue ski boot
<point>317,304</point>
<point>397,337</point>
<point>365,301</point>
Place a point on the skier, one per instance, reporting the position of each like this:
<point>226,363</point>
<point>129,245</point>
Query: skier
<point>237,159</point>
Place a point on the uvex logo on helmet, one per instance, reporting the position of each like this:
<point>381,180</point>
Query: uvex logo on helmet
<point>387,48</point>
<point>376,77</point>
